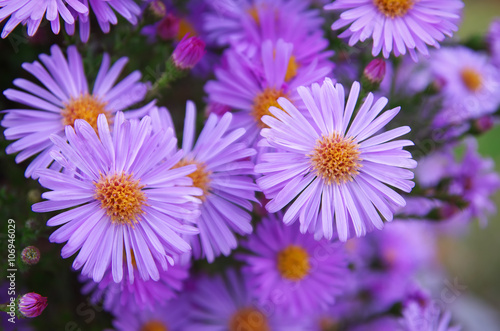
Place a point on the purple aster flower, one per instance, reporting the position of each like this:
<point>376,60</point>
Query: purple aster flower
<point>172,316</point>
<point>136,294</point>
<point>494,41</point>
<point>224,173</point>
<point>426,317</point>
<point>104,10</point>
<point>296,273</point>
<point>32,304</point>
<point>334,169</point>
<point>469,84</point>
<point>124,197</point>
<point>252,86</point>
<point>31,12</point>
<point>64,97</point>
<point>226,303</point>
<point>397,26</point>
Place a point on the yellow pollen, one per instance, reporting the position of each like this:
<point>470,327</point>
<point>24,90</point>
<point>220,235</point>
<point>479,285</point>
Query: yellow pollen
<point>86,107</point>
<point>293,263</point>
<point>154,326</point>
<point>254,13</point>
<point>394,8</point>
<point>291,70</point>
<point>184,28</point>
<point>200,177</point>
<point>122,197</point>
<point>262,102</point>
<point>248,319</point>
<point>336,159</point>
<point>472,79</point>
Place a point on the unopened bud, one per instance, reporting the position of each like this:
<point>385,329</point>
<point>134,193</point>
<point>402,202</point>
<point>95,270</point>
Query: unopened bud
<point>32,304</point>
<point>375,71</point>
<point>30,255</point>
<point>188,52</point>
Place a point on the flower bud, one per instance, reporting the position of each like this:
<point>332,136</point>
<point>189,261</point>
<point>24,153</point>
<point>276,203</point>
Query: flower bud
<point>483,124</point>
<point>30,255</point>
<point>375,71</point>
<point>158,8</point>
<point>168,27</point>
<point>188,52</point>
<point>32,304</point>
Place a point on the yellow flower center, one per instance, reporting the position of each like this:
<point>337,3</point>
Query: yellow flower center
<point>248,319</point>
<point>122,197</point>
<point>394,8</point>
<point>472,79</point>
<point>200,177</point>
<point>262,102</point>
<point>154,326</point>
<point>184,28</point>
<point>336,158</point>
<point>86,107</point>
<point>291,69</point>
<point>293,263</point>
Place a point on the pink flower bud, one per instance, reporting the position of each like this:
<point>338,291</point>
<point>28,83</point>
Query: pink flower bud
<point>188,52</point>
<point>168,27</point>
<point>30,255</point>
<point>375,71</point>
<point>32,304</point>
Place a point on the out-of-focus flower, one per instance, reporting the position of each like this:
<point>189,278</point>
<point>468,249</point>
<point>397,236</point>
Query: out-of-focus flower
<point>226,303</point>
<point>32,304</point>
<point>250,87</point>
<point>30,255</point>
<point>296,273</point>
<point>336,173</point>
<point>494,41</point>
<point>64,97</point>
<point>224,173</point>
<point>32,12</point>
<point>168,316</point>
<point>188,52</point>
<point>124,191</point>
<point>469,84</point>
<point>397,26</point>
<point>375,71</point>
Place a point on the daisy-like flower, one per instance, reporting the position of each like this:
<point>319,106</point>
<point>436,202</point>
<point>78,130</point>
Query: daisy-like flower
<point>252,86</point>
<point>224,173</point>
<point>104,11</point>
<point>136,294</point>
<point>170,316</point>
<point>397,26</point>
<point>470,84</point>
<point>296,273</point>
<point>64,97</point>
<point>124,197</point>
<point>333,169</point>
<point>226,303</point>
<point>32,12</point>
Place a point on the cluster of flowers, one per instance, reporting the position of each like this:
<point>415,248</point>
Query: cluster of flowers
<point>294,173</point>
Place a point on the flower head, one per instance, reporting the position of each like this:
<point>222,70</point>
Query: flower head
<point>226,303</point>
<point>32,304</point>
<point>397,26</point>
<point>64,98</point>
<point>224,173</point>
<point>251,86</point>
<point>296,273</point>
<point>332,168</point>
<point>127,203</point>
<point>188,52</point>
<point>470,85</point>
